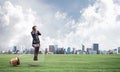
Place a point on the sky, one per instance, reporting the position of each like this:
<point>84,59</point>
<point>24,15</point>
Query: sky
<point>66,23</point>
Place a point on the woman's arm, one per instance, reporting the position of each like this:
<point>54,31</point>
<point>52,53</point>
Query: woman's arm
<point>33,34</point>
<point>38,33</point>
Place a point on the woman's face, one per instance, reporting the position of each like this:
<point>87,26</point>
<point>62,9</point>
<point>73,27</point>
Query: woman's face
<point>36,28</point>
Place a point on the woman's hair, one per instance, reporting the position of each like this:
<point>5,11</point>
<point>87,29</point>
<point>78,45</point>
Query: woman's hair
<point>33,28</point>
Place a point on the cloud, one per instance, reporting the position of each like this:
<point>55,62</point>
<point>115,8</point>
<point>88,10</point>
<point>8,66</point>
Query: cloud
<point>15,23</point>
<point>99,23</point>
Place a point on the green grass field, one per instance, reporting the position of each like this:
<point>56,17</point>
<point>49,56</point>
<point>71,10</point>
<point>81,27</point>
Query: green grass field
<point>63,63</point>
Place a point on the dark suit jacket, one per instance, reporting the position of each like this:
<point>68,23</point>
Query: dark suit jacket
<point>35,37</point>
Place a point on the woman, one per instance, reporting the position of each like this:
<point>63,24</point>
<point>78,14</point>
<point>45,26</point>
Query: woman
<point>36,42</point>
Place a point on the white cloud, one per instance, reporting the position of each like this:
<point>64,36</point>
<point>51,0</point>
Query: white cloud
<point>99,23</point>
<point>15,23</point>
<point>100,26</point>
<point>59,15</point>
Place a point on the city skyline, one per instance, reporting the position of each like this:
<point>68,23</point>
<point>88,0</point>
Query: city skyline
<point>66,23</point>
<point>54,49</point>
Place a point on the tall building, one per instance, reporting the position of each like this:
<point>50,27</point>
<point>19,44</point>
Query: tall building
<point>68,50</point>
<point>118,50</point>
<point>53,48</point>
<point>96,47</point>
<point>104,52</point>
<point>83,48</point>
<point>89,50</point>
<point>46,51</point>
<point>60,51</point>
<point>114,51</point>
<point>31,51</point>
<point>14,49</point>
<point>73,51</point>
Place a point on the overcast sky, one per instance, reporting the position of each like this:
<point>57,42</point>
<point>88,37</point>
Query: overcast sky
<point>66,23</point>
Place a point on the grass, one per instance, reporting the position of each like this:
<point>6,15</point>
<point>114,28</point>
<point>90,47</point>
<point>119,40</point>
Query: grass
<point>62,63</point>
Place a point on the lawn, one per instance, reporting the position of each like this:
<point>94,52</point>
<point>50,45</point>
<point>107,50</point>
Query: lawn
<point>62,63</point>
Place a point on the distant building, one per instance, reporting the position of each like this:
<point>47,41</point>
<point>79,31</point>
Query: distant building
<point>84,52</point>
<point>14,49</point>
<point>78,52</point>
<point>118,50</point>
<point>46,51</point>
<point>92,52</point>
<point>31,51</point>
<point>68,50</point>
<point>114,51</point>
<point>73,51</point>
<point>110,52</point>
<point>64,51</point>
<point>53,48</point>
<point>96,47</point>
<point>60,51</point>
<point>83,48</point>
<point>104,52</point>
<point>89,50</point>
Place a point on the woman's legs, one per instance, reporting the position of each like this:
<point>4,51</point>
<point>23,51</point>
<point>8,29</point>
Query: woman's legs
<point>36,51</point>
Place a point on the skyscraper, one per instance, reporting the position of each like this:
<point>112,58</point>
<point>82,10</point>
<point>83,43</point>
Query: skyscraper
<point>68,50</point>
<point>118,50</point>
<point>53,48</point>
<point>83,48</point>
<point>14,49</point>
<point>73,51</point>
<point>96,47</point>
<point>60,51</point>
<point>89,50</point>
